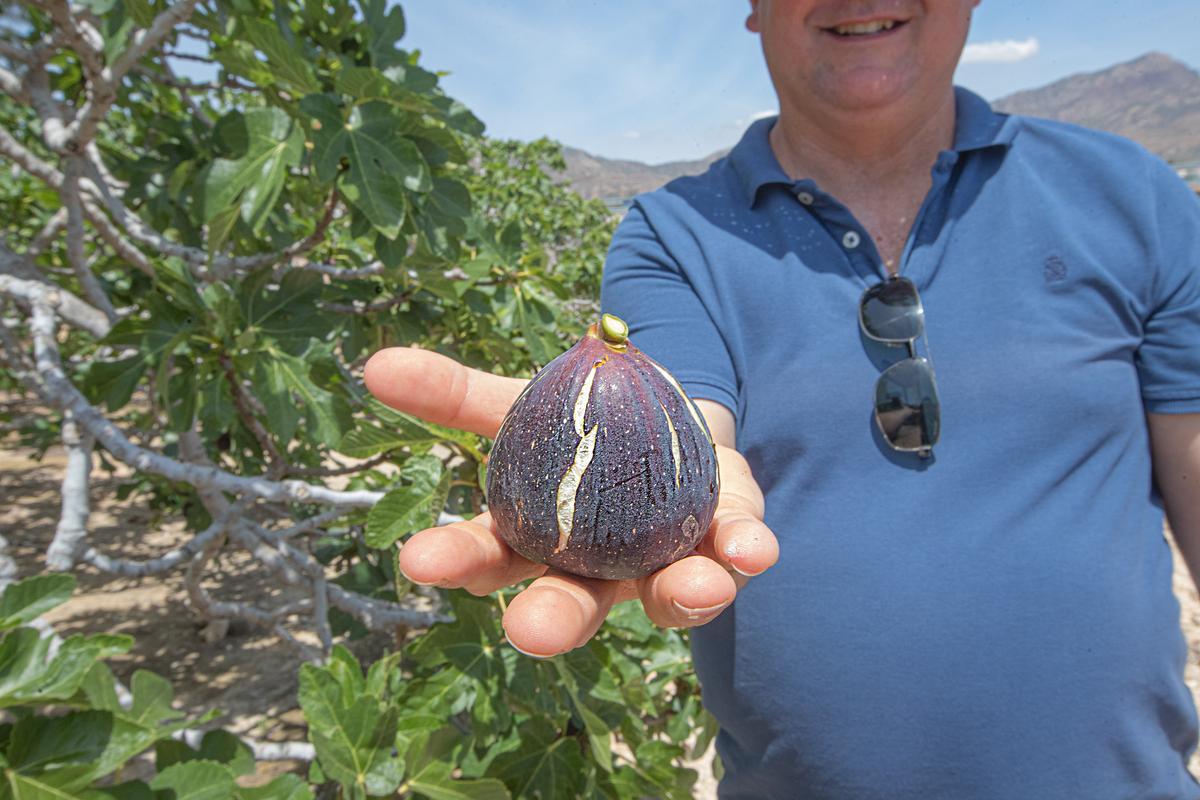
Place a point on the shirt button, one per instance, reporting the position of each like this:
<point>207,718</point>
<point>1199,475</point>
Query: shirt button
<point>851,240</point>
<point>805,198</point>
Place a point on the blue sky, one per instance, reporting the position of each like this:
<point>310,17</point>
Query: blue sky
<point>678,79</point>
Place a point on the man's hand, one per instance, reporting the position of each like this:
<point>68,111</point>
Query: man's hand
<point>558,612</point>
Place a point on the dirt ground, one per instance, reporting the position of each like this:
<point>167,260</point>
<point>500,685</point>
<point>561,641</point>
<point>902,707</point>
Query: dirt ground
<point>250,675</point>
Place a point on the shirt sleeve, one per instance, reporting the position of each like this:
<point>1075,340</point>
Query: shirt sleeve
<point>1168,360</point>
<point>668,320</point>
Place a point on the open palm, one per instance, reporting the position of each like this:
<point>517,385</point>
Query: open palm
<point>558,612</point>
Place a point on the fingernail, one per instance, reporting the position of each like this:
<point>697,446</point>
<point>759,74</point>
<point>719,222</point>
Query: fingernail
<point>734,551</point>
<point>741,571</point>
<point>443,583</point>
<point>693,614</point>
<point>523,652</point>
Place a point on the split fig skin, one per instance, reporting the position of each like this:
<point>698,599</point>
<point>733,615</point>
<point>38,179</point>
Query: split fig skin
<point>603,467</point>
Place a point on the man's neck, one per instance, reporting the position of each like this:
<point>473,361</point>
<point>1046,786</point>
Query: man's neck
<point>845,153</point>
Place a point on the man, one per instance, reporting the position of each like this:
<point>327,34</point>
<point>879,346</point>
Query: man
<point>988,615</point>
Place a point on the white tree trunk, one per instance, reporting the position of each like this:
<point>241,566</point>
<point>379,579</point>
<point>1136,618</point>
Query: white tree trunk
<point>70,538</point>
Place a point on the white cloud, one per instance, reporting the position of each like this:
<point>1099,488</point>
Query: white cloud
<point>1004,51</point>
<point>633,134</point>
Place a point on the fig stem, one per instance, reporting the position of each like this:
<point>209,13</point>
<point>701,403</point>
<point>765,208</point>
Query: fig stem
<point>614,329</point>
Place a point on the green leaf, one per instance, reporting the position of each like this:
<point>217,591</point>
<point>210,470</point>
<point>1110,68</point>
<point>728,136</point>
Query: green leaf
<point>354,736</point>
<point>141,11</point>
<point>113,382</point>
<point>72,738</point>
<point>287,375</point>
<point>546,766</point>
<point>214,406</point>
<point>599,733</point>
<point>194,780</point>
<point>380,674</point>
<point>27,787</point>
<point>285,787</point>
<point>459,117</point>
<point>708,731</point>
<point>401,430</point>
<point>252,181</point>
<point>28,599</point>
<point>434,781</point>
<point>220,228</point>
<point>410,508</point>
<point>450,202</point>
<point>152,696</point>
<point>469,644</point>
<point>174,308</point>
<point>27,675</point>
<point>129,790</point>
<point>238,57</point>
<point>180,398</point>
<point>99,686</point>
<point>383,165</point>
<point>285,59</point>
<point>535,318</point>
<point>365,84</point>
<point>386,28</point>
<point>218,746</point>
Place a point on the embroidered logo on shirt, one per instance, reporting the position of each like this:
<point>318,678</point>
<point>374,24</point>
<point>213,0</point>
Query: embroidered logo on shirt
<point>1055,269</point>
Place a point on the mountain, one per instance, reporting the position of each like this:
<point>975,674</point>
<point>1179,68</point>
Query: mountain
<point>1153,99</point>
<point>614,180</point>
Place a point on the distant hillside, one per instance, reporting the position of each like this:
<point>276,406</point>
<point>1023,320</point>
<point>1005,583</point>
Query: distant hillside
<point>614,180</point>
<point>1153,99</point>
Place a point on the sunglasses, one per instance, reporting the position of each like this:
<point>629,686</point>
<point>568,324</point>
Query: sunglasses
<point>906,402</point>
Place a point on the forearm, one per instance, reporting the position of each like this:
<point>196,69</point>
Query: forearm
<point>1175,442</point>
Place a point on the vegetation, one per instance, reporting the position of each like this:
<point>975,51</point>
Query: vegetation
<point>195,264</point>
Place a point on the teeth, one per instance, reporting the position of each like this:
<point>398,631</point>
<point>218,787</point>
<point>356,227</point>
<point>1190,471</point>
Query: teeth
<point>861,28</point>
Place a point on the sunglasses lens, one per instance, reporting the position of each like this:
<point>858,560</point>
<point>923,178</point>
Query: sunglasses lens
<point>891,311</point>
<point>906,405</point>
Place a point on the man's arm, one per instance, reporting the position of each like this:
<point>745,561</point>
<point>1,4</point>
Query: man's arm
<point>1175,448</point>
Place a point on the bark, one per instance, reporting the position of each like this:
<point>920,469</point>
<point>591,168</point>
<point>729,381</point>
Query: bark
<point>70,537</point>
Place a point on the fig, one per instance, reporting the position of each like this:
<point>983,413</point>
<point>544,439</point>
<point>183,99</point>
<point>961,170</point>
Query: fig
<point>603,467</point>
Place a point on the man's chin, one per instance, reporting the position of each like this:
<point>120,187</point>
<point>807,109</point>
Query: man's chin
<point>868,89</point>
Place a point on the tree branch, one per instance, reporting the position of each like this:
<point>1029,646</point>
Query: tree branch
<point>57,390</point>
<point>375,268</point>
<point>14,87</point>
<point>70,537</point>
<point>172,558</point>
<point>46,235</point>
<point>83,38</point>
<point>103,93</point>
<point>242,404</point>
<point>37,293</point>
<point>75,238</point>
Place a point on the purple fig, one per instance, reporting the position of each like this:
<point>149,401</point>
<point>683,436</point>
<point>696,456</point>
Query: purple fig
<point>603,467</point>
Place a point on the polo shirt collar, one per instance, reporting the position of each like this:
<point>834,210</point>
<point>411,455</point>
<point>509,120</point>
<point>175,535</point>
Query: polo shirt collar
<point>976,127</point>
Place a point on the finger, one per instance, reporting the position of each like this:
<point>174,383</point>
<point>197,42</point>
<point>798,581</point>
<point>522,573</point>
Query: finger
<point>438,389</point>
<point>739,542</point>
<point>737,538</point>
<point>468,555</point>
<point>557,613</point>
<point>690,592</point>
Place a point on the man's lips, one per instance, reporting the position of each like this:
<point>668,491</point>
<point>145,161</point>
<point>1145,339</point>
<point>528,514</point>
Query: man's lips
<point>864,28</point>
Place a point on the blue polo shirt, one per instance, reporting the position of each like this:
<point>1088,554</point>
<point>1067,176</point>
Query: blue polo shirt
<point>996,621</point>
